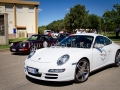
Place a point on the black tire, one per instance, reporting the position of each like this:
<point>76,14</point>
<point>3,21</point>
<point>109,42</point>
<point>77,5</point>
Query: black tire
<point>82,71</point>
<point>117,58</point>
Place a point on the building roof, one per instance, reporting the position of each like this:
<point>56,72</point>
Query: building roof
<point>19,2</point>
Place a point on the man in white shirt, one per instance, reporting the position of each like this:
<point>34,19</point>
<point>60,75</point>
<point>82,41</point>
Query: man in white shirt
<point>83,31</point>
<point>78,31</point>
<point>94,31</point>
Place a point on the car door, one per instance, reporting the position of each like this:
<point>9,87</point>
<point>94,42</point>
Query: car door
<point>100,55</point>
<point>108,47</point>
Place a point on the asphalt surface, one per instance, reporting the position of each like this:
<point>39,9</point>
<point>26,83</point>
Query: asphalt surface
<point>12,77</point>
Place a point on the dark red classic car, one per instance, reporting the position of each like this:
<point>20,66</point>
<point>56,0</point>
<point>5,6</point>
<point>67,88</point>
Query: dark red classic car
<point>36,41</point>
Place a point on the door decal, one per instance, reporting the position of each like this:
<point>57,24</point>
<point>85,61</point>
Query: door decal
<point>103,53</point>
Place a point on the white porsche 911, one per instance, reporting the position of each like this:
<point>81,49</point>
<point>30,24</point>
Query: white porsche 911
<point>73,58</point>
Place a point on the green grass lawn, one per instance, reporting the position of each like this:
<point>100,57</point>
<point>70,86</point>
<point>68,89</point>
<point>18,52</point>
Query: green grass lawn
<point>4,46</point>
<point>112,36</point>
<point>17,39</point>
<point>12,40</point>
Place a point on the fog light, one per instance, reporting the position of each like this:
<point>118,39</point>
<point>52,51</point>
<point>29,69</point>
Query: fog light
<point>56,70</point>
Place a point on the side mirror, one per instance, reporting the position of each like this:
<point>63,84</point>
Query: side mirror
<point>99,45</point>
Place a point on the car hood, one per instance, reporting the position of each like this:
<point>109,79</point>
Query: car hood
<point>52,54</point>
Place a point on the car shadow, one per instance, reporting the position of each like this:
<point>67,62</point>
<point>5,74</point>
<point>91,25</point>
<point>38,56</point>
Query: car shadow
<point>20,54</point>
<point>49,83</point>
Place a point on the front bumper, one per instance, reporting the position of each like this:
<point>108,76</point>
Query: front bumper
<point>43,74</point>
<point>20,50</point>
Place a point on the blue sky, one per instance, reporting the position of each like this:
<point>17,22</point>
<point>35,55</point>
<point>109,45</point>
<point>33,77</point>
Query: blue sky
<point>50,10</point>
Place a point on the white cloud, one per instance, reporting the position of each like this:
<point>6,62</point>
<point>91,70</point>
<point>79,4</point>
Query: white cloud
<point>39,9</point>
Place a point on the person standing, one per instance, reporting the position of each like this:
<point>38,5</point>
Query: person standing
<point>117,31</point>
<point>95,31</point>
<point>83,31</point>
<point>78,31</point>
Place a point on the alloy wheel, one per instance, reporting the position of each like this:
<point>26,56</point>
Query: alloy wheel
<point>82,71</point>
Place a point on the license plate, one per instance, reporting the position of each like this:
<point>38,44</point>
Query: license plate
<point>31,70</point>
<point>13,49</point>
<point>20,49</point>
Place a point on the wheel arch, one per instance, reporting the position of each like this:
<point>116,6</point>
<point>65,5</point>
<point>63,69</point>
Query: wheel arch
<point>86,59</point>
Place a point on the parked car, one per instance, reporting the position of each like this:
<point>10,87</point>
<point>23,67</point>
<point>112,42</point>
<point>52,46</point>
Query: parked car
<point>55,34</point>
<point>74,58</point>
<point>36,41</point>
<point>47,32</point>
<point>61,36</point>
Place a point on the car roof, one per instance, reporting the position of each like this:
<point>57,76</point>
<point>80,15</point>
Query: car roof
<point>90,34</point>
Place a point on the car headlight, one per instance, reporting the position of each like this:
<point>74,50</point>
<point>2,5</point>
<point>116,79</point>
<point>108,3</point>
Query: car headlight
<point>11,44</point>
<point>31,54</point>
<point>62,60</point>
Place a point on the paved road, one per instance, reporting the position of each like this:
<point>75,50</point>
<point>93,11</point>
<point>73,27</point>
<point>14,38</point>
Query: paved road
<point>12,77</point>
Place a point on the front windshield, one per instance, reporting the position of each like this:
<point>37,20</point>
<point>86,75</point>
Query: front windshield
<point>39,38</point>
<point>48,38</point>
<point>34,38</point>
<point>77,41</point>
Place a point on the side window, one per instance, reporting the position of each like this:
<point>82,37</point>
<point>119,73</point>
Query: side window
<point>34,37</point>
<point>31,9</point>
<point>43,38</point>
<point>19,8</point>
<point>9,8</point>
<point>99,40</point>
<point>107,41</point>
<point>47,38</point>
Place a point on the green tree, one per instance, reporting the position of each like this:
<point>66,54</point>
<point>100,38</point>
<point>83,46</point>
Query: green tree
<point>86,23</point>
<point>56,25</point>
<point>108,19</point>
<point>75,18</point>
<point>67,22</point>
<point>112,18</point>
<point>41,29</point>
<point>94,21</point>
<point>116,14</point>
